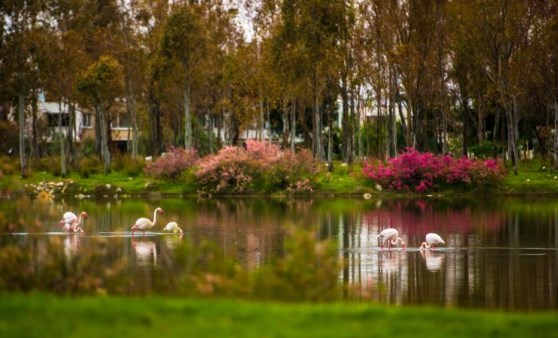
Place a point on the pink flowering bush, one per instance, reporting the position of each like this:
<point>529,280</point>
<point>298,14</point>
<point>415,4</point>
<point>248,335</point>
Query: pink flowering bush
<point>257,167</point>
<point>229,171</point>
<point>421,172</point>
<point>172,164</point>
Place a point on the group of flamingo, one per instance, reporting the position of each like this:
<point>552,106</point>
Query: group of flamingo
<point>390,236</point>
<point>72,223</point>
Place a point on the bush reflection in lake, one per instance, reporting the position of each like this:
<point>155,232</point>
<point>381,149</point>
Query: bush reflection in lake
<point>499,254</point>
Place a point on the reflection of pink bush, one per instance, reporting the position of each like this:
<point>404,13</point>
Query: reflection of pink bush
<point>172,164</point>
<point>415,218</point>
<point>421,172</point>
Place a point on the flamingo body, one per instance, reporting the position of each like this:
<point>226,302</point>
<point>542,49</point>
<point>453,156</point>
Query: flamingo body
<point>391,237</point>
<point>72,223</point>
<point>143,224</point>
<point>173,227</point>
<point>432,240</point>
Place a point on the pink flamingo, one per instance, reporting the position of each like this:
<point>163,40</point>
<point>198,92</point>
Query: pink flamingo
<point>391,237</point>
<point>432,240</point>
<point>174,228</point>
<point>72,223</point>
<point>145,223</point>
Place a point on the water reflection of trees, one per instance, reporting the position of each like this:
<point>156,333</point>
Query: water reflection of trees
<point>487,262</point>
<point>495,257</point>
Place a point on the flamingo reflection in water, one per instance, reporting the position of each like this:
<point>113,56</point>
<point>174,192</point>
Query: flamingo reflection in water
<point>434,260</point>
<point>71,246</point>
<point>389,262</point>
<point>146,252</point>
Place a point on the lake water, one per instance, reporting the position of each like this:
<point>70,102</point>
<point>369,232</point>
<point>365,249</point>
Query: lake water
<point>499,253</point>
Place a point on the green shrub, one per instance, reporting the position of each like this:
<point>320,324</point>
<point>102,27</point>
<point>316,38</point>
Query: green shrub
<point>89,165</point>
<point>131,167</point>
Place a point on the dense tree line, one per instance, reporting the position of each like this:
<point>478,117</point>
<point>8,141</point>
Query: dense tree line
<point>441,75</point>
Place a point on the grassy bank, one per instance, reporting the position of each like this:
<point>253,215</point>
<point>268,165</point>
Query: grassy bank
<point>535,177</point>
<point>49,316</point>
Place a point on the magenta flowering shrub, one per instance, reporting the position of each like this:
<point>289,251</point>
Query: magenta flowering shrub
<point>257,167</point>
<point>172,164</point>
<point>421,172</point>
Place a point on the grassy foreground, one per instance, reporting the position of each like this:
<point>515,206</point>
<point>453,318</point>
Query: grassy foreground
<point>50,316</point>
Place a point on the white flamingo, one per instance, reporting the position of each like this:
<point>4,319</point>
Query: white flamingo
<point>391,237</point>
<point>143,223</point>
<point>432,240</point>
<point>174,228</point>
<point>72,223</point>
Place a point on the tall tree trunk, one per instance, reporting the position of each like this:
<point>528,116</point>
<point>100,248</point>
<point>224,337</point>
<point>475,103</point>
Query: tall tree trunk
<point>21,118</point>
<point>317,135</point>
<point>187,116</point>
<point>329,139</point>
<point>285,118</point>
<point>293,125</point>
<point>105,152</point>
<point>131,107</point>
<point>71,131</point>
<point>62,142</point>
<point>352,128</point>
<point>209,132</point>
<point>34,151</point>
<point>155,119</point>
<point>555,148</point>
<point>465,127</point>
<point>392,129</point>
<point>345,132</point>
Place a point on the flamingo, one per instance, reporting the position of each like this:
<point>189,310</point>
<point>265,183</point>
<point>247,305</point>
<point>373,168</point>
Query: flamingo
<point>391,237</point>
<point>432,240</point>
<point>173,227</point>
<point>71,223</point>
<point>145,223</point>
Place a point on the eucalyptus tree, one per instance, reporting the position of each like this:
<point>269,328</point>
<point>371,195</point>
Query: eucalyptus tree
<point>21,20</point>
<point>131,57</point>
<point>308,34</point>
<point>150,19</point>
<point>494,29</point>
<point>184,41</point>
<point>101,84</point>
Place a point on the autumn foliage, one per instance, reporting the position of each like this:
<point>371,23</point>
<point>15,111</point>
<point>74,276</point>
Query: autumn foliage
<point>421,172</point>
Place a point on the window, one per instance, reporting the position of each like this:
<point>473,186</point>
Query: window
<point>53,120</point>
<point>121,121</point>
<point>87,120</point>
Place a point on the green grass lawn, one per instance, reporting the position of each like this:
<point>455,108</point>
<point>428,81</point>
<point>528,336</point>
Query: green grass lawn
<point>535,177</point>
<point>50,316</point>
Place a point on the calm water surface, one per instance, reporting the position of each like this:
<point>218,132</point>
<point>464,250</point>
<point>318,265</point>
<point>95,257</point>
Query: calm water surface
<point>500,253</point>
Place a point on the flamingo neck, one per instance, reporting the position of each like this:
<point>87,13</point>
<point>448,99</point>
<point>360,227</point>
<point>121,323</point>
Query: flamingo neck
<point>79,220</point>
<point>424,245</point>
<point>154,216</point>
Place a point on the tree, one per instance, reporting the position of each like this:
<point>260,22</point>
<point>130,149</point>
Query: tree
<point>183,40</point>
<point>101,84</point>
<point>20,20</point>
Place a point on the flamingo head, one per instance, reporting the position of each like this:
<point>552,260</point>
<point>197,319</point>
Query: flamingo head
<point>84,214</point>
<point>159,211</point>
